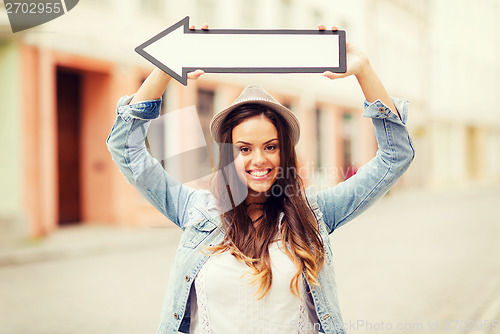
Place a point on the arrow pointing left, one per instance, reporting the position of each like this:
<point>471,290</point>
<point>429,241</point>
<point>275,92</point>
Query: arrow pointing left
<point>179,50</point>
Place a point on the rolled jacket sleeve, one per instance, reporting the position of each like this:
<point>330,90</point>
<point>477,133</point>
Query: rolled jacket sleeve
<point>146,110</point>
<point>378,110</point>
<point>395,153</point>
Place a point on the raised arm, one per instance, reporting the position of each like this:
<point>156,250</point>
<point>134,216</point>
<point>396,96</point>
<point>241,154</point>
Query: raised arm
<point>395,151</point>
<point>155,84</point>
<point>126,143</point>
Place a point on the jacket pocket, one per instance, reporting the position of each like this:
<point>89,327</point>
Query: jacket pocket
<point>201,228</point>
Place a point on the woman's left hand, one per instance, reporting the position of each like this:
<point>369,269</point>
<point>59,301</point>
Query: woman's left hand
<point>357,61</point>
<point>358,65</point>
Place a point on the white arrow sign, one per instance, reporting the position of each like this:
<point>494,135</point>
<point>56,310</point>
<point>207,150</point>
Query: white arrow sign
<point>179,50</point>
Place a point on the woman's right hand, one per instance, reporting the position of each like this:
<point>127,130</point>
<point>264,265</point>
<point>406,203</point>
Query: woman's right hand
<point>196,74</point>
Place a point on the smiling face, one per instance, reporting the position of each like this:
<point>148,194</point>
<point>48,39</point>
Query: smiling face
<point>257,156</point>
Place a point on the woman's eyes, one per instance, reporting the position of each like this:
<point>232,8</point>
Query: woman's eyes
<point>245,149</point>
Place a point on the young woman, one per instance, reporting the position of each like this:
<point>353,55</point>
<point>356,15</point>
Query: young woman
<point>255,253</point>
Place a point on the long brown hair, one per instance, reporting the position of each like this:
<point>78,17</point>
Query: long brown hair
<point>249,240</point>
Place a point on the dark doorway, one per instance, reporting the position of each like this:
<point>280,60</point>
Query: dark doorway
<point>69,84</point>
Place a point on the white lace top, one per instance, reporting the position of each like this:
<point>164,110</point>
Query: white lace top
<point>224,301</point>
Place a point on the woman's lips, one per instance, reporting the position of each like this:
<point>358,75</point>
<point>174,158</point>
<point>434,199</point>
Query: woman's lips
<point>259,174</point>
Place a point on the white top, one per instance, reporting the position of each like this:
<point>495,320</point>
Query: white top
<point>225,301</point>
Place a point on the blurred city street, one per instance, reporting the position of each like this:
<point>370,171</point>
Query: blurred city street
<point>420,261</point>
<point>82,251</point>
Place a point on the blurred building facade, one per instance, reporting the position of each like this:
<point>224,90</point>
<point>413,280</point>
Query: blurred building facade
<point>60,83</point>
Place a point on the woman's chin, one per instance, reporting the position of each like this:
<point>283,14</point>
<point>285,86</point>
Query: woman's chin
<point>260,191</point>
<point>256,187</point>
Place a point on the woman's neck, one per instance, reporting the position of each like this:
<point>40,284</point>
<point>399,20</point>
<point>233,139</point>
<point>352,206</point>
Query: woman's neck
<point>256,198</point>
<point>255,211</point>
<point>255,206</point>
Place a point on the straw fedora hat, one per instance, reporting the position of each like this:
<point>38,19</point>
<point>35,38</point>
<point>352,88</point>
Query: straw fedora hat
<point>258,95</point>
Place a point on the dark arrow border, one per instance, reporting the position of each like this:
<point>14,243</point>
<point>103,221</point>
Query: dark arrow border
<point>185,70</point>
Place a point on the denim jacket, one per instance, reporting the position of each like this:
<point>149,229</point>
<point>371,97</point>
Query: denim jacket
<point>195,211</point>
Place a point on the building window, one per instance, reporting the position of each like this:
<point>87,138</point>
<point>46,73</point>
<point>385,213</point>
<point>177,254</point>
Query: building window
<point>205,109</point>
<point>319,142</point>
<point>348,169</point>
<point>205,106</point>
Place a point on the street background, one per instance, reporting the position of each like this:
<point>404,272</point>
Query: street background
<point>413,260</point>
<point>82,252</point>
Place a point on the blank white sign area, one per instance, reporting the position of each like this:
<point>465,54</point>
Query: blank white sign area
<point>177,50</point>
